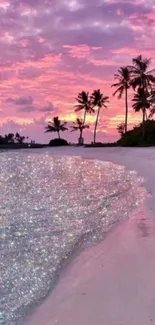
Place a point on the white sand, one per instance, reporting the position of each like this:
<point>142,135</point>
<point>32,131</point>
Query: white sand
<point>112,283</point>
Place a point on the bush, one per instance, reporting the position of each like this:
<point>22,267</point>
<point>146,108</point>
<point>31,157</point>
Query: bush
<point>58,142</point>
<point>135,137</point>
<point>2,140</point>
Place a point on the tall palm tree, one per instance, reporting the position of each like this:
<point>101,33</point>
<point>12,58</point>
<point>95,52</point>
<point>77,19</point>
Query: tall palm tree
<point>123,84</point>
<point>98,100</point>
<point>78,125</point>
<point>84,104</point>
<point>143,79</point>
<point>56,126</point>
<point>141,102</point>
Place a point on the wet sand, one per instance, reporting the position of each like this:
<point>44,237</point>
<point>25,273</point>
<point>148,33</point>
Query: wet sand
<point>113,282</point>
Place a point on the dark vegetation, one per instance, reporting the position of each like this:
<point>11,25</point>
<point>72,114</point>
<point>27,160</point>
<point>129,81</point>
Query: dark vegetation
<point>136,137</point>
<point>16,141</point>
<point>58,142</point>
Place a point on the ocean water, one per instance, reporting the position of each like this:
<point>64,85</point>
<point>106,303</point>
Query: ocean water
<point>50,206</point>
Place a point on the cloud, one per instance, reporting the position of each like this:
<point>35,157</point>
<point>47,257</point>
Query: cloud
<point>27,109</point>
<point>29,72</point>
<point>23,100</point>
<point>48,108</point>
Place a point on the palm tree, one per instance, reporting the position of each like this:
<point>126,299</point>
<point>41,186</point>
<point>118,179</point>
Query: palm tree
<point>9,138</point>
<point>123,84</point>
<point>99,100</point>
<point>56,126</point>
<point>143,79</point>
<point>141,101</point>
<point>78,125</point>
<point>84,104</point>
<point>19,138</point>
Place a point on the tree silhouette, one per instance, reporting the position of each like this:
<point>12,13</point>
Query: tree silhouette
<point>9,138</point>
<point>123,77</point>
<point>141,102</point>
<point>98,100</point>
<point>84,104</point>
<point>56,126</point>
<point>19,139</point>
<point>142,79</point>
<point>78,125</point>
<point>121,128</point>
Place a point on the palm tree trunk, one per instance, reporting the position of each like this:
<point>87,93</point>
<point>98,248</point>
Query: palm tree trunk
<point>143,125</point>
<point>144,110</point>
<point>84,119</point>
<point>126,107</point>
<point>96,123</point>
<point>81,134</point>
<point>144,113</point>
<point>58,134</point>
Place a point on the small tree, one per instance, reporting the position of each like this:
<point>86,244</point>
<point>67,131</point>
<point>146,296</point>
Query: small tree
<point>98,100</point>
<point>121,128</point>
<point>141,102</point>
<point>9,138</point>
<point>143,81</point>
<point>19,139</point>
<point>78,125</point>
<point>56,126</point>
<point>84,104</point>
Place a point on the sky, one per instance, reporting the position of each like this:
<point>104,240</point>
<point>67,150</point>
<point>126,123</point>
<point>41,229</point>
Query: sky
<point>50,50</point>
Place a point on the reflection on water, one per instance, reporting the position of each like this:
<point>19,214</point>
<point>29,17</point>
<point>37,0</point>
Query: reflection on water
<point>49,206</point>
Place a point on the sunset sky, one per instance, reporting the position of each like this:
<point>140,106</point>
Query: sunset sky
<point>50,50</point>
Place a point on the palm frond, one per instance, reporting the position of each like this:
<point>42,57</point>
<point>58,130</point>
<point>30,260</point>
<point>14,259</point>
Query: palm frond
<point>118,84</point>
<point>123,76</point>
<point>119,91</point>
<point>78,125</point>
<point>55,125</point>
<point>141,100</point>
<point>152,112</point>
<point>98,99</point>
<point>84,102</point>
<point>50,128</point>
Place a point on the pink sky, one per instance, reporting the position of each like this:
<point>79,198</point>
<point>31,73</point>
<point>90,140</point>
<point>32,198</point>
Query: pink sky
<point>50,50</point>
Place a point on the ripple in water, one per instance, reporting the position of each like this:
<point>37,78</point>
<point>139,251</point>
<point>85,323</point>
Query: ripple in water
<point>48,206</point>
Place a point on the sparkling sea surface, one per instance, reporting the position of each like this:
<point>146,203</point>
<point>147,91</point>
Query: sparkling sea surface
<point>50,206</point>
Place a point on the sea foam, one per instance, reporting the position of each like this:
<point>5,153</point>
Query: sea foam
<point>49,206</point>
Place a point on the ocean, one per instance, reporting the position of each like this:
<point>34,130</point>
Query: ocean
<point>50,206</point>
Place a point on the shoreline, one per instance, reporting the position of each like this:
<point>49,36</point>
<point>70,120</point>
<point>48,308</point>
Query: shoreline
<point>86,292</point>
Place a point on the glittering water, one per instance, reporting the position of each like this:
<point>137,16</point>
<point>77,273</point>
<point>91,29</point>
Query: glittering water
<point>48,206</point>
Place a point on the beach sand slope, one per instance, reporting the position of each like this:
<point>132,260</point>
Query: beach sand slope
<point>112,283</point>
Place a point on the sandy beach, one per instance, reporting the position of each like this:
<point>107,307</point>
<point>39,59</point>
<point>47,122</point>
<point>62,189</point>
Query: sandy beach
<point>111,283</point>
